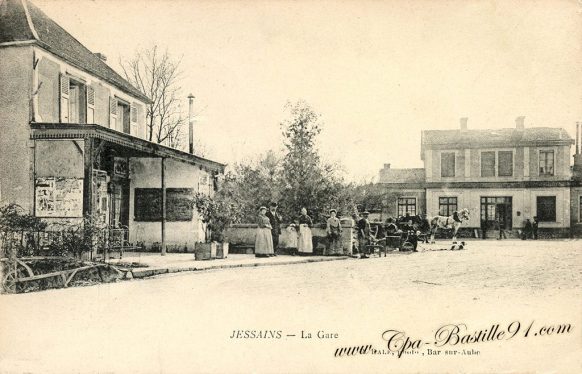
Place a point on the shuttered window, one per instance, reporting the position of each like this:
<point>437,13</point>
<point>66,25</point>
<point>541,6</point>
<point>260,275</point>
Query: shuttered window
<point>448,164</point>
<point>133,115</point>
<point>112,113</point>
<point>90,105</point>
<point>487,164</point>
<point>505,160</point>
<point>64,98</point>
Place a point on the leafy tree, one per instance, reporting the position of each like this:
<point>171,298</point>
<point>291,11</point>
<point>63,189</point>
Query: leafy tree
<point>306,181</point>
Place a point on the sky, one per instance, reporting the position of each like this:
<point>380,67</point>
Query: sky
<point>378,72</point>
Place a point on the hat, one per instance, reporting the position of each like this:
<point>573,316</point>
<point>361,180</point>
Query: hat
<point>332,210</point>
<point>274,204</point>
<point>263,207</point>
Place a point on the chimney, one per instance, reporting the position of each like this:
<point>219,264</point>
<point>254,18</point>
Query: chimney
<point>191,123</point>
<point>464,123</point>
<point>577,168</point>
<point>386,166</point>
<point>519,123</point>
<point>577,138</point>
<point>101,56</point>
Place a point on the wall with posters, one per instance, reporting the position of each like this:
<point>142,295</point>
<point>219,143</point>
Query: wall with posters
<point>58,179</point>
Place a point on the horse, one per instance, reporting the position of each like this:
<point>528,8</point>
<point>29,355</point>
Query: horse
<point>451,222</point>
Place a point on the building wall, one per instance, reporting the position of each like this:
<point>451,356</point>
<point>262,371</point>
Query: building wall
<point>146,173</point>
<point>48,93</point>
<point>15,88</point>
<point>59,159</point>
<point>576,213</point>
<point>390,205</point>
<point>523,204</point>
<point>49,69</point>
<point>525,164</point>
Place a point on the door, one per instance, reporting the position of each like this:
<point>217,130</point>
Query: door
<point>502,216</point>
<point>496,209</point>
<point>119,198</point>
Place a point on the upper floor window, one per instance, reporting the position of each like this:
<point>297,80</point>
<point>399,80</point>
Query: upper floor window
<point>546,162</point>
<point>505,161</point>
<point>488,164</point>
<point>448,164</point>
<point>406,205</point>
<point>73,107</point>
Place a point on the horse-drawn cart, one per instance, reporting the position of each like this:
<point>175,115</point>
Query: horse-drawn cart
<point>402,240</point>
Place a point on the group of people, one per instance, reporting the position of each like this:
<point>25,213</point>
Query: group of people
<point>530,229</point>
<point>269,229</point>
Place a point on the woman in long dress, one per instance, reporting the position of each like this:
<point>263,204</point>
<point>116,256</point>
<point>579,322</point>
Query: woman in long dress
<point>304,243</point>
<point>264,239</point>
<point>334,234</point>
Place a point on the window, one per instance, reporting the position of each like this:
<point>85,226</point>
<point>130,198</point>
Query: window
<point>205,184</point>
<point>505,161</point>
<point>73,98</point>
<point>488,164</point>
<point>447,206</point>
<point>406,205</point>
<point>123,117</point>
<point>546,162</point>
<point>448,164</point>
<point>546,208</point>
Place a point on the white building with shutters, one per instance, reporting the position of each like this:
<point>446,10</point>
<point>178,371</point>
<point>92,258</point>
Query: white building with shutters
<point>73,139</point>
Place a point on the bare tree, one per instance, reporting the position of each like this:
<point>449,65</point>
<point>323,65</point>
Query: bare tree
<point>156,74</point>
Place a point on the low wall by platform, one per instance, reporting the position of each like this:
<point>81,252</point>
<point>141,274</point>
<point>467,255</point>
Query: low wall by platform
<point>243,236</point>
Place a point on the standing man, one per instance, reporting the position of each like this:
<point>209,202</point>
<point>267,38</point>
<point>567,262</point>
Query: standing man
<point>364,235</point>
<point>535,227</point>
<point>501,229</point>
<point>275,220</point>
<point>527,230</point>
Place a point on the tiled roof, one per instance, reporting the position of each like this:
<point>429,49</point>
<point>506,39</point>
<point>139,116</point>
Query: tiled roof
<point>14,27</point>
<point>402,175</point>
<point>495,136</point>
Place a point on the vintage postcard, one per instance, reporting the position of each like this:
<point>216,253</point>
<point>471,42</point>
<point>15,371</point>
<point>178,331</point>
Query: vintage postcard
<point>196,186</point>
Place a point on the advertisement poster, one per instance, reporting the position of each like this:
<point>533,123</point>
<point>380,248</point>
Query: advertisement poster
<point>395,186</point>
<point>59,197</point>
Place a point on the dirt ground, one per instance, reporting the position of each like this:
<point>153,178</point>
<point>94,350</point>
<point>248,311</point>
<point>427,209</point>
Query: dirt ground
<point>216,321</point>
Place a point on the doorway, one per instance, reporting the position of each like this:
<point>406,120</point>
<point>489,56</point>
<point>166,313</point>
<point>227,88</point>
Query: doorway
<point>496,209</point>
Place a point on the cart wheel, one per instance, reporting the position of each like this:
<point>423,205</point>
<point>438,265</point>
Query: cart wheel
<point>407,246</point>
<point>10,282</point>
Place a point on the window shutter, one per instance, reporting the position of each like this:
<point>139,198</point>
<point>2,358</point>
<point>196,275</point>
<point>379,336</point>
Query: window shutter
<point>64,98</point>
<point>133,119</point>
<point>90,104</point>
<point>133,113</point>
<point>112,113</point>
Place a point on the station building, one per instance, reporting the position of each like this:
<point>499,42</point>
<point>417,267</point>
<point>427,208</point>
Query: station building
<point>503,176</point>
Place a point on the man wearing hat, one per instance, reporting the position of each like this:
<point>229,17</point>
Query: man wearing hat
<point>364,235</point>
<point>275,220</point>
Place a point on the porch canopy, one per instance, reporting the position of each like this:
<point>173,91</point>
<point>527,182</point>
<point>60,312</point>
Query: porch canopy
<point>100,144</point>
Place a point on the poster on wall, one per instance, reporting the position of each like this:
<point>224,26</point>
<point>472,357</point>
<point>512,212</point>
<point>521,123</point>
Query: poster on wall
<point>59,197</point>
